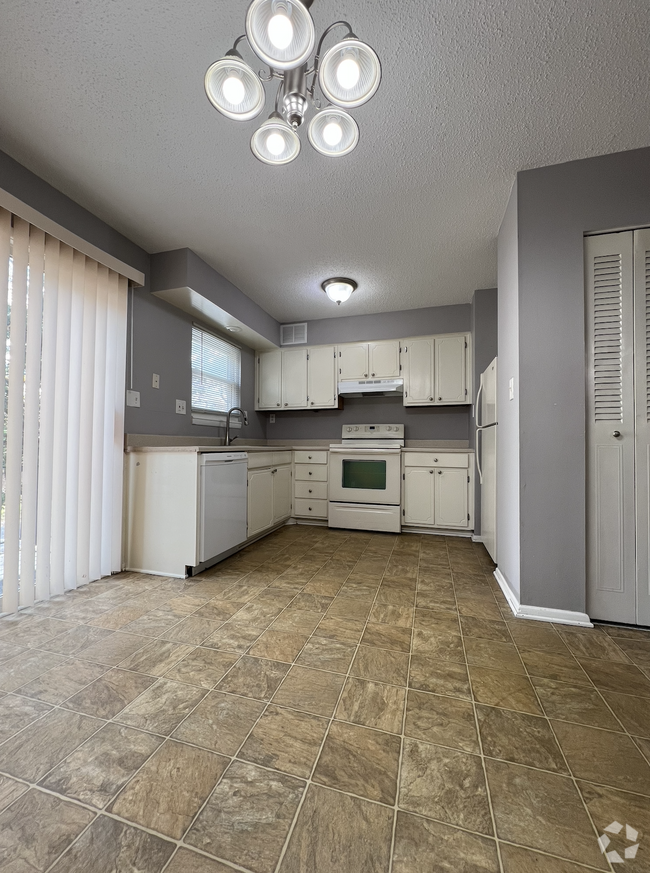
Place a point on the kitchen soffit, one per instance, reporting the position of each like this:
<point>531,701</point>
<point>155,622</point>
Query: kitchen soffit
<point>106,102</point>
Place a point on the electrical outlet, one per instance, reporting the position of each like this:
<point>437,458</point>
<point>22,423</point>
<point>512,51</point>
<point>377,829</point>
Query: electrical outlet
<point>155,382</point>
<point>180,407</point>
<point>133,398</point>
<point>272,418</point>
<point>511,389</point>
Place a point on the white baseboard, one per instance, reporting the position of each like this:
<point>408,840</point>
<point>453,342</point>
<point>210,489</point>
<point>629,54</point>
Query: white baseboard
<point>539,613</point>
<point>477,538</point>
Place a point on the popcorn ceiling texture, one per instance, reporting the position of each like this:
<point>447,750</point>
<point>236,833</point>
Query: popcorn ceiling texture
<point>105,101</point>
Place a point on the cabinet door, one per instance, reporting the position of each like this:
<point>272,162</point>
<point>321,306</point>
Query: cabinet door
<point>383,359</point>
<point>353,361</point>
<point>294,378</point>
<point>418,371</point>
<point>418,496</point>
<point>451,498</point>
<point>281,493</point>
<point>451,370</point>
<point>269,379</point>
<point>260,500</point>
<point>321,377</point>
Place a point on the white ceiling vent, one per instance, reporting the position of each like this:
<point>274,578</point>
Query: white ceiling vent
<point>293,334</point>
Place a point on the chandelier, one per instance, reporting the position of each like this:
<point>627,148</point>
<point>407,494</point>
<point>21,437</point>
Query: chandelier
<point>282,35</point>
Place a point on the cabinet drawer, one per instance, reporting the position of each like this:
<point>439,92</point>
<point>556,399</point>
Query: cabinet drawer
<point>311,472</point>
<point>311,457</point>
<point>310,490</point>
<point>436,459</point>
<point>313,508</point>
<point>281,458</point>
<point>260,459</point>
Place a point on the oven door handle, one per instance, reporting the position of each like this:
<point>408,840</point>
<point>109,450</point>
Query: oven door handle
<point>360,451</point>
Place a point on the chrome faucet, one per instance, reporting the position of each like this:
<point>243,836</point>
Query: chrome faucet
<point>228,414</point>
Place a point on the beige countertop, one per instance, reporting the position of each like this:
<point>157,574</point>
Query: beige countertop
<point>199,449</point>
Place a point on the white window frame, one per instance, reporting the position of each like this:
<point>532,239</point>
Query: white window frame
<point>216,418</point>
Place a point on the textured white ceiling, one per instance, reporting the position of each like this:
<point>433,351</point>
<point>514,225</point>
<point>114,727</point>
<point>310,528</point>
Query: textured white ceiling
<point>105,100</point>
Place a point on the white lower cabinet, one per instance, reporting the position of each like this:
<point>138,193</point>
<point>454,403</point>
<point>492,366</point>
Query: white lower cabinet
<point>438,490</point>
<point>269,496</point>
<point>310,484</point>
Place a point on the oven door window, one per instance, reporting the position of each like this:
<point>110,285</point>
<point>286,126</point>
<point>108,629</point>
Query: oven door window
<point>366,475</point>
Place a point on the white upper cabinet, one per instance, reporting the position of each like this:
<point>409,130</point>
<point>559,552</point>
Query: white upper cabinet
<point>383,360</point>
<point>321,377</point>
<point>353,361</point>
<point>294,378</point>
<point>269,379</point>
<point>436,370</point>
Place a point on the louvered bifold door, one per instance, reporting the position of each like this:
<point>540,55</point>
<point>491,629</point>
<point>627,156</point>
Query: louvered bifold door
<point>642,383</point>
<point>611,559</point>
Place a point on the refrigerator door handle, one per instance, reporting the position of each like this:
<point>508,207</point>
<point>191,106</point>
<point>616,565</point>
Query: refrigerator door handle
<point>478,455</point>
<point>478,403</point>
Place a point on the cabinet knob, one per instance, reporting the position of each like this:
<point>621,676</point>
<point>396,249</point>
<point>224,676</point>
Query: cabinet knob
<point>365,375</point>
<point>310,472</point>
<point>430,398</point>
<point>439,472</point>
<point>312,402</point>
<point>431,471</point>
<point>372,374</point>
<point>616,433</point>
<point>277,404</point>
<point>310,490</point>
<point>435,460</point>
<point>309,457</point>
<point>439,398</point>
<point>286,404</point>
<point>309,508</point>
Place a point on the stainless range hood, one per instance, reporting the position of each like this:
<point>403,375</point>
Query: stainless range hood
<point>371,388</point>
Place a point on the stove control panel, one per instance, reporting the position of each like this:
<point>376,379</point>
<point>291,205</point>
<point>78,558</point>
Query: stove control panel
<point>373,431</point>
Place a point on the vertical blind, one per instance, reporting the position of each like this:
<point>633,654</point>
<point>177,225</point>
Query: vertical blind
<point>216,373</point>
<point>64,318</point>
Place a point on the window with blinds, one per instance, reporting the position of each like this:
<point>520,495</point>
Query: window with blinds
<point>216,374</point>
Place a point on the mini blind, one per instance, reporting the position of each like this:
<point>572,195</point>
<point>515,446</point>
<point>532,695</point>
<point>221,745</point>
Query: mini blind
<point>216,373</point>
<point>64,319</point>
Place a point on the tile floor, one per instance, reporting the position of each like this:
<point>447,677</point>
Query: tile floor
<point>322,702</point>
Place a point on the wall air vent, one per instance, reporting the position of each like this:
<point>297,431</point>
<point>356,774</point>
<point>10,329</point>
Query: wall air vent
<point>293,334</point>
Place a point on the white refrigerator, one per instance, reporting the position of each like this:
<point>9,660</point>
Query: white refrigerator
<point>486,455</point>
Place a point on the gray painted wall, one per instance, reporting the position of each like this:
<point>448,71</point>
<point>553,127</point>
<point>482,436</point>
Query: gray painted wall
<point>182,267</point>
<point>508,436</point>
<point>484,344</point>
<point>556,206</point>
<point>420,423</point>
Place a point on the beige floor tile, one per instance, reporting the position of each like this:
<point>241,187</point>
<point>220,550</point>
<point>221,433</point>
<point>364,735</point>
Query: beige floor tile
<point>285,740</point>
<point>326,654</point>
<point>61,682</point>
<point>577,703</point>
<point>498,656</point>
<point>383,636</point>
<point>17,712</point>
<point>633,712</point>
<point>418,841</point>
<point>76,639</point>
<point>340,629</point>
<point>485,629</point>
<point>520,738</point>
<point>171,787</point>
<point>606,805</point>
<point>298,621</point>
<point>279,646</point>
<point>436,620</point>
<point>162,707</point>
<point>312,602</point>
<point>397,616</point>
<point>381,665</point>
<point>518,860</point>
<point>192,630</point>
<point>248,816</point>
<point>156,658</point>
<point>310,690</point>
<point>218,610</point>
<point>508,690</point>
<point>186,861</point>
<point>7,651</point>
<point>596,644</point>
<point>220,722</point>
<point>603,756</point>
<point>152,624</point>
<point>25,667</point>
<point>26,848</point>
<point>551,665</point>
<point>109,846</point>
<point>372,704</point>
<point>530,805</point>
<point>441,644</point>
<point>10,790</point>
<point>618,678</point>
<point>40,746</point>
<point>439,677</point>
<point>121,615</point>
<point>349,608</point>
<point>335,833</point>
<point>113,649</point>
<point>429,783</point>
<point>254,677</point>
<point>98,769</point>
<point>445,721</point>
<point>109,694</point>
<point>537,635</point>
<point>203,667</point>
<point>360,761</point>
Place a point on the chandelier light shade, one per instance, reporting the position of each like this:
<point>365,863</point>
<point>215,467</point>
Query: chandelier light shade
<point>339,290</point>
<point>280,32</point>
<point>333,132</point>
<point>234,89</point>
<point>275,142</point>
<point>349,73</point>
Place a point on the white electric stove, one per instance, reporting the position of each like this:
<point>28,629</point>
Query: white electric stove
<point>365,478</point>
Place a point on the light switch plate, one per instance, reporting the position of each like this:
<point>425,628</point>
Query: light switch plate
<point>272,418</point>
<point>155,382</point>
<point>180,407</point>
<point>511,389</point>
<point>133,398</point>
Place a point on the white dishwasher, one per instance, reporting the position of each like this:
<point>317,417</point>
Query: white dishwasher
<point>223,482</point>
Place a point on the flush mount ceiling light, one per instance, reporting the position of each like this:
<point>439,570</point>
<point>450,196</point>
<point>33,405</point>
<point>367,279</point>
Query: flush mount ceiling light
<point>339,290</point>
<point>282,35</point>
